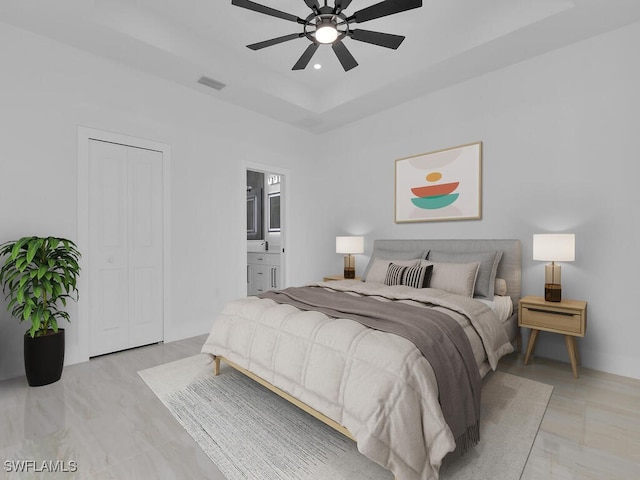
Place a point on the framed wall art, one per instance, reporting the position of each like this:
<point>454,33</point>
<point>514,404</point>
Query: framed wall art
<point>441,185</point>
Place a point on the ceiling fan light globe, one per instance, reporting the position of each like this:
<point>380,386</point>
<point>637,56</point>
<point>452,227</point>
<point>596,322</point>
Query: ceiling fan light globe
<point>326,34</point>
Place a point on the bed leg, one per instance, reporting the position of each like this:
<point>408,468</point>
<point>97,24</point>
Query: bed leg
<point>216,366</point>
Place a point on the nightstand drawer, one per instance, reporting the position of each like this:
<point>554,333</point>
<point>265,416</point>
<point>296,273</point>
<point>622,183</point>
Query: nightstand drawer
<point>543,319</point>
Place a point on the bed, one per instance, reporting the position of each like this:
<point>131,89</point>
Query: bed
<point>334,349</point>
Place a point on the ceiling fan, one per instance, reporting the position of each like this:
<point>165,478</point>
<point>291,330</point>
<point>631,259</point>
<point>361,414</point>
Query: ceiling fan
<point>330,25</point>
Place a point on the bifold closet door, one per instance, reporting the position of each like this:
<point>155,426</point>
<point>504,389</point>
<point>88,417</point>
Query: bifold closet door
<point>125,247</point>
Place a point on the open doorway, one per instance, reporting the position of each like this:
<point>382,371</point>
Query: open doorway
<point>265,230</point>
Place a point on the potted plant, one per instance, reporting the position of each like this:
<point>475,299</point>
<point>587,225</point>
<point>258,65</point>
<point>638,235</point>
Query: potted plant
<point>38,276</point>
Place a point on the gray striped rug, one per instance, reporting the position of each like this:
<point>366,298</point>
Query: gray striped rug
<point>251,433</point>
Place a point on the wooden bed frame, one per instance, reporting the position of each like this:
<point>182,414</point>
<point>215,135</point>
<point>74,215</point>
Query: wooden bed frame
<point>510,269</point>
<point>311,411</point>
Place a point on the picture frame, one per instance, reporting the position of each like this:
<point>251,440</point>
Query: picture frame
<point>441,185</point>
<point>274,211</point>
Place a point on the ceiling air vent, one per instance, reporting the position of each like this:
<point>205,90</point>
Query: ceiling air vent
<point>210,82</point>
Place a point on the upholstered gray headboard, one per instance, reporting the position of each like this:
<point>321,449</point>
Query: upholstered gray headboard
<point>510,267</point>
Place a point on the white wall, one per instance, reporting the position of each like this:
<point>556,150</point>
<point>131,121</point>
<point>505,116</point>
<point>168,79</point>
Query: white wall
<point>47,90</point>
<point>559,134</point>
<point>560,155</point>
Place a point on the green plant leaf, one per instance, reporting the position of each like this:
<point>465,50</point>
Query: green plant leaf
<point>42,271</point>
<point>20,262</point>
<point>39,311</point>
<point>31,251</point>
<point>15,250</point>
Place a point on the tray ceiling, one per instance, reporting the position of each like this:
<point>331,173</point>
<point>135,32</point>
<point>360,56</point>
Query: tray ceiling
<point>447,41</point>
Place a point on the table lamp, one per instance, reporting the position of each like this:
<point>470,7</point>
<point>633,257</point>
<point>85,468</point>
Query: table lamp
<point>350,246</point>
<point>554,247</point>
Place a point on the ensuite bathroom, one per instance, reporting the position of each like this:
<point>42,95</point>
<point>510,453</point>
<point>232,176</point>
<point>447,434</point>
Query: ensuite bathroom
<point>264,231</point>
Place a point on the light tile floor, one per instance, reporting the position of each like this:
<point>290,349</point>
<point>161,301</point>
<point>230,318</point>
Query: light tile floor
<point>102,416</point>
<point>591,429</point>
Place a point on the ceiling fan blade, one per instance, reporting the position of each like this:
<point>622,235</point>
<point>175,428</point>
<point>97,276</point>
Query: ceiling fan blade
<point>382,9</point>
<point>345,57</point>
<point>303,61</point>
<point>274,41</point>
<point>256,7</point>
<point>312,4</point>
<point>342,4</point>
<point>377,38</point>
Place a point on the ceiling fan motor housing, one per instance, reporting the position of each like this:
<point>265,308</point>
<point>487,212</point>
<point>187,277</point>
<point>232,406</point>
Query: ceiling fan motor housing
<point>337,22</point>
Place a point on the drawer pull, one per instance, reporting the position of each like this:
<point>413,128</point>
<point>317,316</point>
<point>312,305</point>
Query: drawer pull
<point>551,312</point>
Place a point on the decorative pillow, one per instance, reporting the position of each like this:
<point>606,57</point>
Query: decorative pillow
<point>387,254</point>
<point>416,277</point>
<point>500,287</point>
<point>489,261</point>
<point>458,278</point>
<point>378,271</point>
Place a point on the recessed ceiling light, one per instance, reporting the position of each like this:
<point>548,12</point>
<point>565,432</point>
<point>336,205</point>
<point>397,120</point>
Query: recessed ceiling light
<point>317,66</point>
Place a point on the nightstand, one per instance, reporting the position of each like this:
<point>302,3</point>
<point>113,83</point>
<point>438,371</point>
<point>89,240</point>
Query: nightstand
<point>568,318</point>
<point>337,277</point>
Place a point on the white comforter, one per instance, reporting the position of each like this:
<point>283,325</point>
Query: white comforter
<point>378,385</point>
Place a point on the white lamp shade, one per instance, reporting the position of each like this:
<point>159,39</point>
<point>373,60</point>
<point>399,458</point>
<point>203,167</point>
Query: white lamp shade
<point>350,245</point>
<point>554,247</point>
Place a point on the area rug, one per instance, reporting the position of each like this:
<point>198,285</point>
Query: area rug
<point>251,433</point>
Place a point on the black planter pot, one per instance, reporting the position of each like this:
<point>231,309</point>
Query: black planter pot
<point>44,358</point>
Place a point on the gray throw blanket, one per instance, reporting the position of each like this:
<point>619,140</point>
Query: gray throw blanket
<point>439,338</point>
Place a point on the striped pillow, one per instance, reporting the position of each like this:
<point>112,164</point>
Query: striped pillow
<point>416,277</point>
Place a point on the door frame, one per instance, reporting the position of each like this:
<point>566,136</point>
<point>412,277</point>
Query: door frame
<point>285,190</point>
<point>85,135</point>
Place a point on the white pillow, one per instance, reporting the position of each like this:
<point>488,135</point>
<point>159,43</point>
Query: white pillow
<point>500,287</point>
<point>393,255</point>
<point>486,273</point>
<point>458,278</point>
<point>378,271</point>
